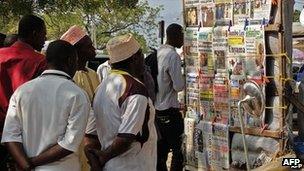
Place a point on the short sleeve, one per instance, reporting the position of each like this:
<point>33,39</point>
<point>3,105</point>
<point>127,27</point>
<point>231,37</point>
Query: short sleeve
<point>91,125</point>
<point>12,131</point>
<point>133,115</point>
<point>76,124</point>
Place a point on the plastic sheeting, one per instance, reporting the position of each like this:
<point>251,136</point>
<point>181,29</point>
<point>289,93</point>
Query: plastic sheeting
<point>260,150</point>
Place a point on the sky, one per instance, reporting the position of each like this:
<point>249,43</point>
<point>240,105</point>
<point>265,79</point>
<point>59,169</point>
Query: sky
<point>299,4</point>
<point>172,12</point>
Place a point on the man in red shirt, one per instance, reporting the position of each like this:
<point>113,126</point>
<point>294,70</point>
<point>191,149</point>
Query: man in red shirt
<point>21,62</point>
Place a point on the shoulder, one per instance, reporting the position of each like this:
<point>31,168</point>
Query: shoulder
<point>38,56</point>
<point>133,87</point>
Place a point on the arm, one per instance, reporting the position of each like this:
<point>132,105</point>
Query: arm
<point>132,122</point>
<point>18,154</point>
<point>119,146</point>
<point>53,154</point>
<point>176,73</point>
<point>12,134</point>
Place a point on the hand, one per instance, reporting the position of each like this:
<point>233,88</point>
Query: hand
<point>25,167</point>
<point>93,160</point>
<point>99,155</point>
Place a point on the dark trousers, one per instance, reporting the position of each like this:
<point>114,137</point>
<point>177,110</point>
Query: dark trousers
<point>171,127</point>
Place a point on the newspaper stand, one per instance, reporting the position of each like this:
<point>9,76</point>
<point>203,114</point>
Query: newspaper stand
<point>278,27</point>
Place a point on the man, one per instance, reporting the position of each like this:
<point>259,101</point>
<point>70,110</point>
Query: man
<point>104,69</point>
<point>124,113</point>
<point>20,63</point>
<point>168,118</point>
<point>85,78</point>
<point>47,116</point>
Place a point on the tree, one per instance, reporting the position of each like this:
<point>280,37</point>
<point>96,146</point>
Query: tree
<point>102,18</point>
<point>296,16</point>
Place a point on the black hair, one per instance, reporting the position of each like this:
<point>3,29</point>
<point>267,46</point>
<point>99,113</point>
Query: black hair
<point>125,63</point>
<point>28,24</point>
<point>173,29</point>
<point>59,53</point>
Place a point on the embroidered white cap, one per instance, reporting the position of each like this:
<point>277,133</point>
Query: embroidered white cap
<point>73,35</point>
<point>122,47</point>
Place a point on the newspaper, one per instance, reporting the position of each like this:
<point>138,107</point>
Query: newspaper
<point>220,47</point>
<point>221,97</point>
<point>216,145</point>
<point>191,16</point>
<point>260,9</point>
<point>205,51</point>
<point>236,50</point>
<point>189,3</point>
<point>207,17</point>
<point>223,12</point>
<point>241,11</point>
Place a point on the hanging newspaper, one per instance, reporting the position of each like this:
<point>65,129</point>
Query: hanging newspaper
<point>236,83</point>
<point>223,12</point>
<point>189,3</point>
<point>206,97</point>
<point>207,17</point>
<point>236,50</point>
<point>191,16</point>
<point>216,146</point>
<point>198,145</point>
<point>189,139</point>
<point>220,144</point>
<point>260,10</point>
<point>220,47</point>
<point>206,72</point>
<point>221,97</point>
<point>207,144</point>
<point>255,52</point>
<point>241,11</point>
<point>205,51</point>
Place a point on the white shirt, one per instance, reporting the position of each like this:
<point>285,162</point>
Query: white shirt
<point>121,111</point>
<point>103,70</point>
<point>48,110</point>
<point>170,80</point>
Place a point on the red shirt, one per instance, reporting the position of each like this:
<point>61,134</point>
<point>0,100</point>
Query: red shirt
<point>18,64</point>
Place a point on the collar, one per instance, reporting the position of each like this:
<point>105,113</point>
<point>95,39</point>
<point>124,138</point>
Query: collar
<point>21,44</point>
<point>121,72</point>
<point>56,72</point>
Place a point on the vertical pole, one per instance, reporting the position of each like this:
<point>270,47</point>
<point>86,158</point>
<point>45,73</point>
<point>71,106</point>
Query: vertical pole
<point>282,69</point>
<point>161,30</point>
<point>184,61</point>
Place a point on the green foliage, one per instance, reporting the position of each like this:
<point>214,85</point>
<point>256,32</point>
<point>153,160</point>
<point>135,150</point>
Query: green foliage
<point>102,19</point>
<point>296,16</point>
